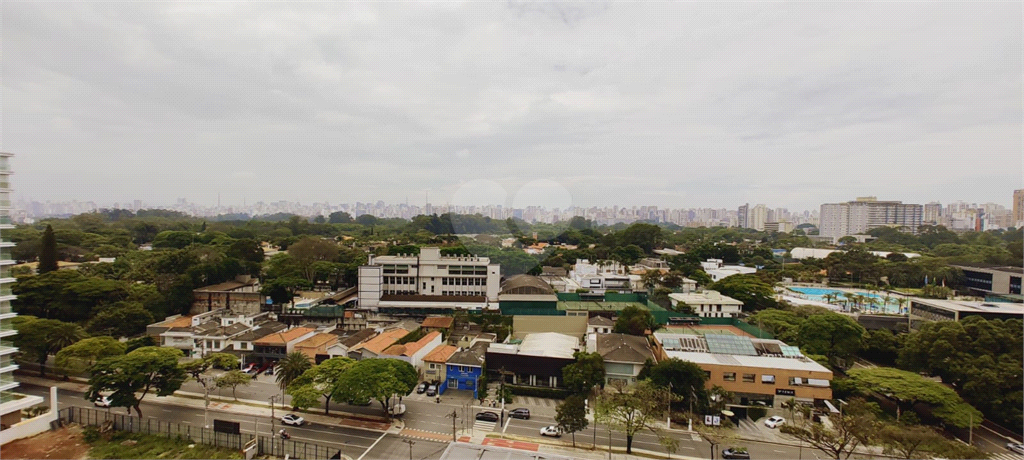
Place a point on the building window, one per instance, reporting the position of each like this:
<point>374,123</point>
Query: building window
<point>707,375</point>
<point>454,383</point>
<point>748,378</point>
<point>769,379</point>
<point>433,366</point>
<point>729,376</point>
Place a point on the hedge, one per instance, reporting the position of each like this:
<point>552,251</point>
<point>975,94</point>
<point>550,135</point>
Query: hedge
<point>540,392</point>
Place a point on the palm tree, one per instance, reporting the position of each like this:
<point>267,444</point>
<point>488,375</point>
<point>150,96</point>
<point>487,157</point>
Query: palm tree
<point>902,301</point>
<point>291,367</point>
<point>65,334</point>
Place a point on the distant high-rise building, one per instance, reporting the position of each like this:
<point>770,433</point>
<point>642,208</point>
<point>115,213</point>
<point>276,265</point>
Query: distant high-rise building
<point>741,215</point>
<point>932,213</point>
<point>757,216</point>
<point>1018,207</point>
<point>865,213</point>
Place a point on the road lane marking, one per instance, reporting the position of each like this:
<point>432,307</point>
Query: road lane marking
<point>372,446</point>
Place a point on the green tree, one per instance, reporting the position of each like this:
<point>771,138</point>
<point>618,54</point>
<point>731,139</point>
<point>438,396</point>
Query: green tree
<point>581,376</point>
<point>291,367</point>
<point>909,441</point>
<point>322,380</point>
<point>310,250</point>
<point>836,336</point>
<point>909,389</point>
<point>39,338</point>
<point>120,319</point>
<point>380,379</point>
<point>84,353</point>
<point>571,416</point>
<point>340,217</point>
<point>131,377</point>
<point>48,252</point>
<point>233,379</point>
<point>283,290</point>
<point>749,289</point>
<point>631,412</point>
<point>685,379</point>
<point>847,432</point>
<point>634,320</point>
<point>197,367</point>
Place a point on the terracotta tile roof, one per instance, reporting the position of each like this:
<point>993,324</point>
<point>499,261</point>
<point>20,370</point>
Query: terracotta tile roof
<point>184,321</point>
<point>412,348</point>
<point>318,340</point>
<point>394,350</point>
<point>441,354</point>
<point>385,339</point>
<point>442,322</point>
<point>282,338</point>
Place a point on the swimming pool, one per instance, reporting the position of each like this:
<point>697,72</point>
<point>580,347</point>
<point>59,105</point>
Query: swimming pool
<point>838,296</point>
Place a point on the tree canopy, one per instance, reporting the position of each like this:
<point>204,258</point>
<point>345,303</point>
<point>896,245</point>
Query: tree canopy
<point>128,379</point>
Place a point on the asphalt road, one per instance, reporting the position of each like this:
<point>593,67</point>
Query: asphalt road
<point>351,441</point>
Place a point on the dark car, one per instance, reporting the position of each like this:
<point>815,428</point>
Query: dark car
<point>736,452</point>
<point>521,412</point>
<point>487,416</point>
<point>422,388</point>
<point>432,390</point>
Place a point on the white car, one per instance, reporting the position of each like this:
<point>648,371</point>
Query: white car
<point>552,431</point>
<point>1016,447</point>
<point>103,401</point>
<point>292,419</point>
<point>774,421</point>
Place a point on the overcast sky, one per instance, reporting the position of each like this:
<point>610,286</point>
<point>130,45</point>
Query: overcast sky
<point>675,104</point>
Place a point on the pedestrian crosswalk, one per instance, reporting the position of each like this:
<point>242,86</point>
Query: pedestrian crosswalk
<point>484,426</point>
<point>1006,456</point>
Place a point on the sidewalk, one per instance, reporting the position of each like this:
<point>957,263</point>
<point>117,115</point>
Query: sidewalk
<point>242,407</point>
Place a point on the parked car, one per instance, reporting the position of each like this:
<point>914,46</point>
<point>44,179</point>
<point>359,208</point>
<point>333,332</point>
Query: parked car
<point>422,388</point>
<point>102,401</point>
<point>487,416</point>
<point>774,421</point>
<point>251,368</point>
<point>736,452</point>
<point>270,371</point>
<point>292,419</point>
<point>432,390</point>
<point>521,412</point>
<point>263,367</point>
<point>552,431</point>
<point>1016,447</point>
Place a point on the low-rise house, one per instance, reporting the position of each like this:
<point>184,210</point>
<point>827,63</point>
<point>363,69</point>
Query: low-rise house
<point>211,337</point>
<point>316,346</point>
<point>413,352</point>
<point>240,296</point>
<point>464,368</point>
<point>374,347</point>
<point>243,343</point>
<point>347,340</point>
<point>442,324</point>
<point>434,363</point>
<point>277,345</point>
<point>600,324</point>
<point>624,356</point>
<point>708,304</point>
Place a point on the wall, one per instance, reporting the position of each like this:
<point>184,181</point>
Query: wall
<point>33,426</point>
<point>575,326</point>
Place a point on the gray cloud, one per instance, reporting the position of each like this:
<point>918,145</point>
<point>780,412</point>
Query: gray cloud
<point>667,103</point>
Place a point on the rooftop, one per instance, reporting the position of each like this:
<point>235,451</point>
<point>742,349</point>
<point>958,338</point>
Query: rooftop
<point>225,286</point>
<point>263,330</point>
<point>440,322</point>
<point>624,348</point>
<point>441,354</point>
<point>600,321</point>
<point>1003,308</point>
<point>318,340</point>
<point>543,344</point>
<point>382,341</point>
<point>736,351</point>
<point>282,338</point>
<point>350,340</point>
<point>703,298</point>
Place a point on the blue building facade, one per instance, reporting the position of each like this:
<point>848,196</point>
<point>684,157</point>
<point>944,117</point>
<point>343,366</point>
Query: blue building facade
<point>462,377</point>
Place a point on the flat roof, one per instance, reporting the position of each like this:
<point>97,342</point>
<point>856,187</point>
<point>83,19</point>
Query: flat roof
<point>764,362</point>
<point>703,298</point>
<point>962,306</point>
<point>1010,270</point>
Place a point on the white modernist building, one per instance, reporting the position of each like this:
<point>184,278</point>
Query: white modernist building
<point>708,304</point>
<point>428,280</point>
<point>717,270</point>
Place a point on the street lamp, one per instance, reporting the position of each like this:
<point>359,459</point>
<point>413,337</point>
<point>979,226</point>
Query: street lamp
<point>410,443</point>
<point>272,417</point>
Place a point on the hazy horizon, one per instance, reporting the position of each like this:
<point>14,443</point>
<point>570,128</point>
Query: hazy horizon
<point>675,105</point>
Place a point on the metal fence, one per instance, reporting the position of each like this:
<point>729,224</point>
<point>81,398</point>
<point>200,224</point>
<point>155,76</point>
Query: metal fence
<point>264,445</point>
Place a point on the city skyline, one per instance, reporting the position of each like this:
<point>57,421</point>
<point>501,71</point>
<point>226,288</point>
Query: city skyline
<point>665,104</point>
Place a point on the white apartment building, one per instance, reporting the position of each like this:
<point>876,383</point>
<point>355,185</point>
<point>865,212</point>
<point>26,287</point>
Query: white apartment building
<point>756,217</point>
<point>709,304</point>
<point>856,217</point>
<point>410,280</point>
<point>11,403</point>
<point>716,269</point>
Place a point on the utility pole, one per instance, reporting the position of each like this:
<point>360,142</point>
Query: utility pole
<point>272,417</point>
<point>970,432</point>
<point>454,415</point>
<point>410,443</point>
<point>668,396</point>
<point>206,399</point>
